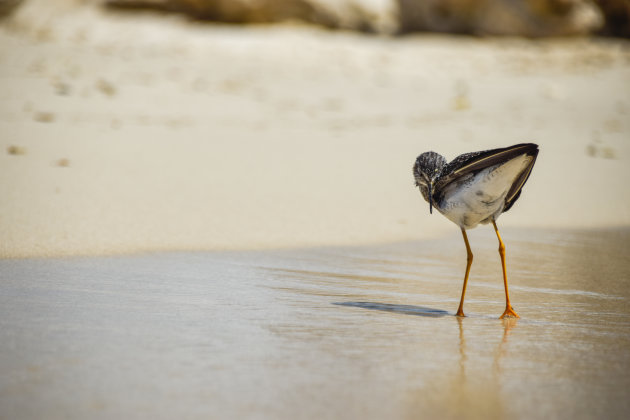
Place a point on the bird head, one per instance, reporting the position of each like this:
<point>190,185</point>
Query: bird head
<point>426,171</point>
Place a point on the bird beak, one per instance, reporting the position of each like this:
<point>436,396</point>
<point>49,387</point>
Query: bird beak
<point>430,197</point>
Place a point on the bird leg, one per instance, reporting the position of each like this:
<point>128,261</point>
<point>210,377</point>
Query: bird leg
<point>509,311</point>
<point>460,310</point>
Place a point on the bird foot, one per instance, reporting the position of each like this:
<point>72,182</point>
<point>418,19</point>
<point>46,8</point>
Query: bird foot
<point>460,312</point>
<point>509,313</point>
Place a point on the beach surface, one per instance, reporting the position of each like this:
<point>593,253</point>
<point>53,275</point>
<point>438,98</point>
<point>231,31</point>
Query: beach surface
<point>337,333</point>
<point>218,221</point>
<point>126,133</point>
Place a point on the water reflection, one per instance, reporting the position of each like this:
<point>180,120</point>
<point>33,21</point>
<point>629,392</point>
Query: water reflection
<point>499,353</point>
<point>471,385</point>
<point>508,324</point>
<point>475,388</point>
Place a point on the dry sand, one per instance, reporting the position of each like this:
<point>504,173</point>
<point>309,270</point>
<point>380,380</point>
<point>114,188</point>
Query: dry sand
<point>128,133</point>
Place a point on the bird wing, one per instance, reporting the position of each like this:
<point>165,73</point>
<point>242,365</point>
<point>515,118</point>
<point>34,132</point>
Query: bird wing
<point>515,191</point>
<point>470,163</point>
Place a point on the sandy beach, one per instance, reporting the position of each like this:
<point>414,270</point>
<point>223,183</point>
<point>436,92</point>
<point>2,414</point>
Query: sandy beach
<point>339,333</point>
<point>220,221</point>
<point>129,133</point>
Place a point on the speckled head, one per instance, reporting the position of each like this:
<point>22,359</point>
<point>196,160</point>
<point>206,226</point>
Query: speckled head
<point>426,170</point>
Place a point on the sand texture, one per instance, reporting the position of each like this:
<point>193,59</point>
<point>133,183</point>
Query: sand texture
<point>281,264</point>
<point>335,333</point>
<point>127,133</point>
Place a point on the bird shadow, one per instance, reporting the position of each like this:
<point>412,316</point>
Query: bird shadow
<point>399,309</point>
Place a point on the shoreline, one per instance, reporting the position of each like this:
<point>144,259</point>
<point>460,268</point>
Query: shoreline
<point>483,238</point>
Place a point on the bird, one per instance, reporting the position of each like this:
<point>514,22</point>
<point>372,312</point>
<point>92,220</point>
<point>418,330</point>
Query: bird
<point>476,188</point>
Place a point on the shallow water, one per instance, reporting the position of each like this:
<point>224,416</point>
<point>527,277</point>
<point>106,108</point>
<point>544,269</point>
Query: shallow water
<point>365,332</point>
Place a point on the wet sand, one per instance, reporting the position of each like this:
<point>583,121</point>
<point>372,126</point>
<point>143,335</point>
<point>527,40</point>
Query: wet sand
<point>348,332</point>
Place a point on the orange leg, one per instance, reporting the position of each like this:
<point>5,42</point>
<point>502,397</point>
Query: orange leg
<point>509,311</point>
<point>460,310</point>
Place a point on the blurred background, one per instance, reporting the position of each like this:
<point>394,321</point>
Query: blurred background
<point>531,18</point>
<point>135,125</point>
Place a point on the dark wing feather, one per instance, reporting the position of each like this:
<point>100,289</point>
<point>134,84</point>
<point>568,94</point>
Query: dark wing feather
<point>471,163</point>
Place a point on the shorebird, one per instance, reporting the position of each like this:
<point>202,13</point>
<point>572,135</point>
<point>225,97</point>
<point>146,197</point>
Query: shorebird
<point>476,188</point>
